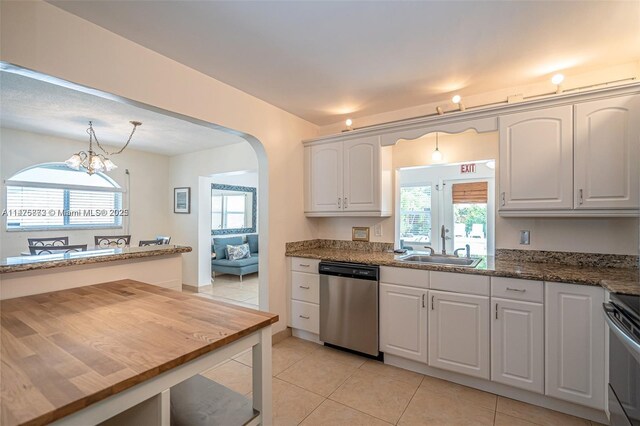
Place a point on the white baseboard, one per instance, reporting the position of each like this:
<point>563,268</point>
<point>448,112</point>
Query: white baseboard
<point>499,389</point>
<point>302,334</point>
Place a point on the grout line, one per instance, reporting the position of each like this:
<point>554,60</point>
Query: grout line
<point>410,399</point>
<point>312,411</point>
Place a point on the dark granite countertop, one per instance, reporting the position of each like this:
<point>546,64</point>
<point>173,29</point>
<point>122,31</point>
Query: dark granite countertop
<point>30,263</point>
<point>619,280</point>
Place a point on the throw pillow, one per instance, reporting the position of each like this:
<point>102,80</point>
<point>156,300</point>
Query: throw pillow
<point>238,252</point>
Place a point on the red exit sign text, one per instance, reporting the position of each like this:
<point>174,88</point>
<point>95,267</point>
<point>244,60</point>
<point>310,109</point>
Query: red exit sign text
<point>468,168</point>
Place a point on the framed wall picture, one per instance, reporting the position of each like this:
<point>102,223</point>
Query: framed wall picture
<point>182,200</point>
<point>360,233</point>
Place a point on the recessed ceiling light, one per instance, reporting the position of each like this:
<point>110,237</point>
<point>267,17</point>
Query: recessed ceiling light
<point>349,122</point>
<point>557,79</point>
<point>456,99</point>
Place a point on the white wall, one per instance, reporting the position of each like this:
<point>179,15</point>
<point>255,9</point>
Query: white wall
<point>76,50</point>
<point>148,192</point>
<point>195,170</point>
<point>602,235</point>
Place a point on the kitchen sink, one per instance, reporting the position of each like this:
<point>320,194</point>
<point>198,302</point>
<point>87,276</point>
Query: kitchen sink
<point>441,260</point>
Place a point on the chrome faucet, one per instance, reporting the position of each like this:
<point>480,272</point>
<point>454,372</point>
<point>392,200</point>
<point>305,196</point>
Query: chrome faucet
<point>443,235</point>
<point>431,250</point>
<point>466,247</point>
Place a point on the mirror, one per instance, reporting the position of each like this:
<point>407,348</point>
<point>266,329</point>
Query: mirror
<point>233,209</point>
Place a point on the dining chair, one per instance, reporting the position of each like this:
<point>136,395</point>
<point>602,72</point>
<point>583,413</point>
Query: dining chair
<point>108,241</point>
<point>47,242</point>
<point>143,243</point>
<point>38,250</point>
<point>165,240</point>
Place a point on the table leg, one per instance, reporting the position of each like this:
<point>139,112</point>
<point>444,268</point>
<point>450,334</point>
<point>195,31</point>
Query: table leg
<point>262,394</point>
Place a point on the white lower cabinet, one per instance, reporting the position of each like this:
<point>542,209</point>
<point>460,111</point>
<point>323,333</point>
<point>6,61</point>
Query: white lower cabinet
<point>574,355</point>
<point>403,321</point>
<point>517,344</point>
<point>459,333</point>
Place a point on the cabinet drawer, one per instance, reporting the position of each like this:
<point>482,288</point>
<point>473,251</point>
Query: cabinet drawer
<point>305,287</point>
<point>516,289</point>
<point>305,316</point>
<point>404,276</point>
<point>305,265</point>
<point>460,283</point>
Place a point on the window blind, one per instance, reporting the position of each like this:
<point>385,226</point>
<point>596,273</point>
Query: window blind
<point>470,193</point>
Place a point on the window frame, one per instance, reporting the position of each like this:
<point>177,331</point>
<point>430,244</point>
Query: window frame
<point>118,220</point>
<point>400,211</point>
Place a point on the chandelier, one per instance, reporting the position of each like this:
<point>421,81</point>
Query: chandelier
<point>95,162</point>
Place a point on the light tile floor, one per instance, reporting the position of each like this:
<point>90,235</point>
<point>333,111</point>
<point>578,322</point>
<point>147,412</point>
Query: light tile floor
<point>316,385</point>
<point>229,288</point>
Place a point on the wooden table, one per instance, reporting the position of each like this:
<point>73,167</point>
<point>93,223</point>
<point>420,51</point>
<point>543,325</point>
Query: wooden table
<point>82,355</point>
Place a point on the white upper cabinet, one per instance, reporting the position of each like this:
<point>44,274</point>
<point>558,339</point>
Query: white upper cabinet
<point>572,160</point>
<point>536,160</point>
<point>348,178</point>
<point>607,141</point>
<point>459,333</point>
<point>361,175</point>
<point>325,178</point>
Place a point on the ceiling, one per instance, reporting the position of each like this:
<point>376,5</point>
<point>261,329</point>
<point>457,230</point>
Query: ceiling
<point>41,107</point>
<point>325,60</point>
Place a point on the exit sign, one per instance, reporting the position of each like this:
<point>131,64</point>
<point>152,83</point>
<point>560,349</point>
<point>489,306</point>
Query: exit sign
<point>468,168</point>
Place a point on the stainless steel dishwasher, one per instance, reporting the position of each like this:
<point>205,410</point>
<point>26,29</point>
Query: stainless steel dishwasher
<point>349,306</point>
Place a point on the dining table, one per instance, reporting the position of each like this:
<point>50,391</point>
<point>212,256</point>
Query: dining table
<point>121,352</point>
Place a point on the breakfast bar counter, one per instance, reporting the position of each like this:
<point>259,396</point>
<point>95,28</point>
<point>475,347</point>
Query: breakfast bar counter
<point>81,356</point>
<point>160,265</point>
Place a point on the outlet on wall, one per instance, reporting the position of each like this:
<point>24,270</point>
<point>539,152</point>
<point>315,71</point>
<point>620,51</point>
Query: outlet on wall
<point>524,237</point>
<point>377,230</point>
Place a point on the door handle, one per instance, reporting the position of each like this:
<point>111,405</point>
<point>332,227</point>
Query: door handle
<point>339,202</point>
<point>521,290</point>
<point>305,287</point>
<point>302,316</point>
<point>345,203</point>
<point>502,196</point>
<point>304,265</point>
<point>432,297</point>
<point>423,301</point>
<point>496,311</point>
<point>616,329</point>
<point>581,199</point>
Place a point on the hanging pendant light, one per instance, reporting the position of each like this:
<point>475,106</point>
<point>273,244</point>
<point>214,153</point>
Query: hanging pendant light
<point>92,161</point>
<point>436,156</point>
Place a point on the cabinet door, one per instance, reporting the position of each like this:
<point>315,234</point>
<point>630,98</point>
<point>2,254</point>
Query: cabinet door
<point>536,160</point>
<point>517,344</point>
<point>574,349</point>
<point>607,153</point>
<point>403,322</point>
<point>459,333</point>
<point>325,178</point>
<point>362,174</point>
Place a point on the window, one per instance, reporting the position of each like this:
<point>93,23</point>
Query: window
<point>415,214</point>
<point>53,196</point>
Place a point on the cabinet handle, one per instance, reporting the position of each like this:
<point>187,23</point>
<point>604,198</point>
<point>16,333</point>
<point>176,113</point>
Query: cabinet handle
<point>304,265</point>
<point>345,203</point>
<point>339,202</point>
<point>302,316</point>
<point>521,290</point>
<point>502,197</point>
<point>423,301</point>
<point>305,287</point>
<point>580,196</point>
<point>432,302</point>
<point>496,311</point>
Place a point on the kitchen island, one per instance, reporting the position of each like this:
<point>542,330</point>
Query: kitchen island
<point>81,356</point>
<point>160,265</point>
